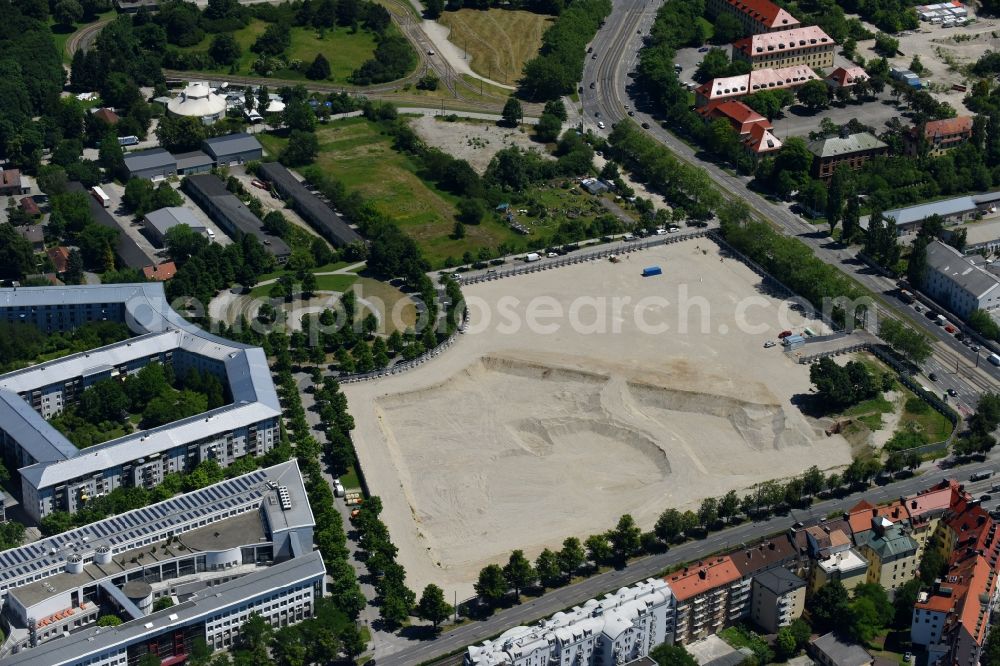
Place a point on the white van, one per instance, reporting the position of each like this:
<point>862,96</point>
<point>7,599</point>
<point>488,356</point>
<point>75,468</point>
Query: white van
<point>994,359</point>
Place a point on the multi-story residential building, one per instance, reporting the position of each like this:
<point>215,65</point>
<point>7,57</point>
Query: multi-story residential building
<point>710,596</point>
<point>737,87</point>
<point>55,475</point>
<point>891,553</point>
<point>952,620</point>
<point>798,47</point>
<point>854,150</point>
<point>778,598</point>
<point>834,557</point>
<point>618,629</point>
<point>219,553</point>
<point>756,16</point>
<point>958,283</point>
<point>938,136</point>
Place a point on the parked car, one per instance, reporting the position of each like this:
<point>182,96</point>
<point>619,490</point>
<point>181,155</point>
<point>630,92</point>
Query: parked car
<point>953,393</point>
<point>600,124</point>
<point>645,126</point>
<point>974,348</point>
<point>631,113</point>
<point>932,376</point>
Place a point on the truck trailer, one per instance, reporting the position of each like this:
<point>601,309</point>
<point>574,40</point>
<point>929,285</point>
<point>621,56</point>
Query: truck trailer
<point>650,271</point>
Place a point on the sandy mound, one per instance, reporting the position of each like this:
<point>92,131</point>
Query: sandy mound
<point>520,438</point>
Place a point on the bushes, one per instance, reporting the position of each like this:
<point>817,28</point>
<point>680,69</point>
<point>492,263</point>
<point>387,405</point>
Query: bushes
<point>393,59</point>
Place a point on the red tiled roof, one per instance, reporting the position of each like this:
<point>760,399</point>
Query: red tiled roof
<point>761,140</point>
<point>706,576</point>
<point>740,116</point>
<point>847,76</point>
<point>765,11</point>
<point>29,206</point>
<point>946,127</point>
<point>164,271</point>
<point>107,115</point>
<point>60,258</point>
<point>861,518</point>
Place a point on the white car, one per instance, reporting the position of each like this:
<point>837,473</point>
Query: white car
<point>430,52</point>
<point>600,124</point>
<point>551,255</point>
<point>673,230</point>
<point>661,231</point>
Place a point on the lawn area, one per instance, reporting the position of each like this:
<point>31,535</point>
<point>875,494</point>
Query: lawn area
<point>350,479</point>
<point>356,153</point>
<point>335,282</point>
<point>326,268</point>
<point>870,412</point>
<point>344,50</point>
<point>499,41</point>
<point>390,302</point>
<point>926,420</point>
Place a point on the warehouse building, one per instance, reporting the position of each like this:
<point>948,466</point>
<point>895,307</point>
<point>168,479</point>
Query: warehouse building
<point>193,162</point>
<point>226,210</point>
<point>54,474</point>
<point>240,546</point>
<point>152,164</point>
<point>233,149</point>
<point>314,211</point>
<point>159,222</point>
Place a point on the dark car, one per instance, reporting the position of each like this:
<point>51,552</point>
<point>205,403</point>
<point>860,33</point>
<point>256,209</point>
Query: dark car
<point>932,377</point>
<point>645,126</point>
<point>953,393</point>
<point>985,498</point>
<point>631,113</point>
<point>592,85</point>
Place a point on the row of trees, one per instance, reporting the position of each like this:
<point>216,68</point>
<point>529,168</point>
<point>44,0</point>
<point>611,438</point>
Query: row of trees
<point>841,386</point>
<point>329,534</point>
<point>557,69</point>
<point>555,568</point>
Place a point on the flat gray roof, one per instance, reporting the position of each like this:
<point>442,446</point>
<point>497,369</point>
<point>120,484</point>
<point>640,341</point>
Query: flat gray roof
<point>944,208</point>
<point>165,219</point>
<point>241,530</point>
<point>148,159</point>
<point>778,580</point>
<point>147,311</point>
<point>124,531</point>
<point>232,144</point>
<point>82,644</point>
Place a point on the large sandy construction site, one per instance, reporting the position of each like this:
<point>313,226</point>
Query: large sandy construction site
<point>519,438</point>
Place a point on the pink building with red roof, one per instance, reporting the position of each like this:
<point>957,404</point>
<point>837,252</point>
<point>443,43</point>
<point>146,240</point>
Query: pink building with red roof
<point>808,46</point>
<point>731,88</point>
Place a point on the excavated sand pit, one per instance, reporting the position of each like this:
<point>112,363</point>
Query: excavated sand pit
<point>516,438</point>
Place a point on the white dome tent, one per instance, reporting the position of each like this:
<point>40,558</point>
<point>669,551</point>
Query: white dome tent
<point>197,100</point>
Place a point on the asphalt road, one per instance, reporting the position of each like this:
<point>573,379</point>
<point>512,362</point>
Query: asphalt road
<point>616,46</point>
<point>556,600</point>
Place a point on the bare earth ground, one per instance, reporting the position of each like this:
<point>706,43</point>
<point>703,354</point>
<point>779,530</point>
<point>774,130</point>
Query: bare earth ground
<point>936,46</point>
<point>516,438</point>
<point>475,143</point>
